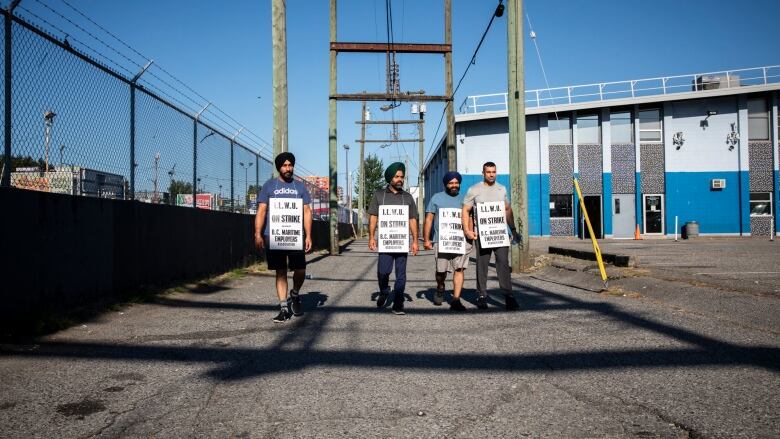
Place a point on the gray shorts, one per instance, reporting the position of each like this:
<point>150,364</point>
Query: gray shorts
<point>449,262</point>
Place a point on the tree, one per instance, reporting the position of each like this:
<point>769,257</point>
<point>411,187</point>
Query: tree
<point>373,180</point>
<point>251,190</point>
<point>179,187</point>
<point>25,162</point>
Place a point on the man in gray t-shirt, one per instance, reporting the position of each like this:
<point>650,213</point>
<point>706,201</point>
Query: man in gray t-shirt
<point>486,191</point>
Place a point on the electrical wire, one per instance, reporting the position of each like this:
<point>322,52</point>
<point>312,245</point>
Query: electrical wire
<point>532,34</point>
<point>472,62</point>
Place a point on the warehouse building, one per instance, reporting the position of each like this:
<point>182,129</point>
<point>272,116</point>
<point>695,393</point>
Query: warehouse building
<point>648,154</point>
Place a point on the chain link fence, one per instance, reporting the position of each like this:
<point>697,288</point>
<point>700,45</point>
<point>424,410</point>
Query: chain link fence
<point>79,127</point>
<point>82,124</point>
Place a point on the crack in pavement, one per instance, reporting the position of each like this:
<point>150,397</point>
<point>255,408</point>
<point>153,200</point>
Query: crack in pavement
<point>608,408</point>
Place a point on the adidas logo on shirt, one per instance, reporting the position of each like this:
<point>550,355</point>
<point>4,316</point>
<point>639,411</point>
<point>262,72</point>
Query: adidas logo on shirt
<point>285,190</point>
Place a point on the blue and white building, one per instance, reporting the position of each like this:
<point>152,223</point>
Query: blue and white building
<point>650,153</point>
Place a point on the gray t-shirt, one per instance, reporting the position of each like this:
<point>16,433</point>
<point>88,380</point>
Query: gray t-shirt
<point>387,197</point>
<point>482,193</point>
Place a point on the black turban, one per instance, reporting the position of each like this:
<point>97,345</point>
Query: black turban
<point>450,175</point>
<point>393,169</point>
<point>283,157</point>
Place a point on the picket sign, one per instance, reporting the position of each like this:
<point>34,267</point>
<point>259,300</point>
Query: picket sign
<point>451,238</point>
<point>393,229</point>
<point>491,225</point>
<point>285,225</point>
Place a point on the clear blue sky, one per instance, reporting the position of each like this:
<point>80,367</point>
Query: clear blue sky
<point>223,51</point>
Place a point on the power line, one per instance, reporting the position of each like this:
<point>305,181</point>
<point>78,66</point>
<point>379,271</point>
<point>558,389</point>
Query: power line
<point>532,34</point>
<point>463,76</point>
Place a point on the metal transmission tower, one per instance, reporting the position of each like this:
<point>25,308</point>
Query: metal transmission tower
<point>393,94</point>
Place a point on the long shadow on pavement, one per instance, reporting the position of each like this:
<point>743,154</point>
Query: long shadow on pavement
<point>238,363</point>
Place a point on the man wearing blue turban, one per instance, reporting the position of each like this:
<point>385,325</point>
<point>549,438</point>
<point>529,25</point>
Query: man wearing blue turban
<point>392,195</point>
<point>447,202</point>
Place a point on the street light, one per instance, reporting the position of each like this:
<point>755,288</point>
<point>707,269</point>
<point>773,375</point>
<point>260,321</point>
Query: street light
<point>246,181</point>
<point>48,122</point>
<point>171,173</point>
<point>348,195</point>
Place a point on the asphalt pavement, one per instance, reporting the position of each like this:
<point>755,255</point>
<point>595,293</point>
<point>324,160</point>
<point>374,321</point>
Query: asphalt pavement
<point>745,264</point>
<point>570,363</point>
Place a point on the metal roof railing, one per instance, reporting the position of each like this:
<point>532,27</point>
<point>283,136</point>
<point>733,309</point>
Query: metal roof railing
<point>627,89</point>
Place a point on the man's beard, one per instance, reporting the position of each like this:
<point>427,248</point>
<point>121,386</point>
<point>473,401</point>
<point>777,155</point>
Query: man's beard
<point>399,186</point>
<point>287,176</point>
<point>453,191</point>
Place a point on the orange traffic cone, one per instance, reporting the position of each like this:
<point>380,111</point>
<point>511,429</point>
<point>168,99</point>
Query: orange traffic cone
<point>637,236</point>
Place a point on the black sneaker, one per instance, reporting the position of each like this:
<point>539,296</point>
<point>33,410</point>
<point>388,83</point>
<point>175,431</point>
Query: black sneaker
<point>455,305</point>
<point>511,303</point>
<point>398,305</point>
<point>482,302</point>
<point>295,304</point>
<point>438,297</point>
<point>381,300</point>
<point>284,315</point>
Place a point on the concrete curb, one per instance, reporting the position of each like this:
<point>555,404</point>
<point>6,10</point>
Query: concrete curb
<point>610,258</point>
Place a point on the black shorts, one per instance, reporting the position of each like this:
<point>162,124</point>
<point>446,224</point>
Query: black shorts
<point>285,259</point>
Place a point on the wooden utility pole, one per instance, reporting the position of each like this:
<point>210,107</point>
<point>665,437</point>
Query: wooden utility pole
<point>420,175</point>
<point>452,157</point>
<point>517,153</point>
<point>362,184</point>
<point>332,146</point>
<point>279,37</point>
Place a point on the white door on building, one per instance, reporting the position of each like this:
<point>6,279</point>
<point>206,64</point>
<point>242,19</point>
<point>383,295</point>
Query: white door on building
<point>623,216</point>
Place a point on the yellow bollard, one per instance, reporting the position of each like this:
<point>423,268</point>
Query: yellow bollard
<point>596,248</point>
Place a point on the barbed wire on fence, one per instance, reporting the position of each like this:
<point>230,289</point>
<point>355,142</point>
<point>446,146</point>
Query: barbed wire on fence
<point>84,142</point>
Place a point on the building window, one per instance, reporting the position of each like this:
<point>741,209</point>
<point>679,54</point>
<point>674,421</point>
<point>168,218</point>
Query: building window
<point>650,125</point>
<point>758,119</point>
<point>760,204</point>
<point>560,206</point>
<point>559,130</point>
<point>588,131</point>
<point>621,128</point>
